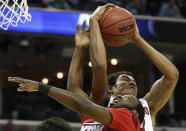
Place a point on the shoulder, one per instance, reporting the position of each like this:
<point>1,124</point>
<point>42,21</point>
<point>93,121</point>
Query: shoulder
<point>123,119</point>
<point>120,115</point>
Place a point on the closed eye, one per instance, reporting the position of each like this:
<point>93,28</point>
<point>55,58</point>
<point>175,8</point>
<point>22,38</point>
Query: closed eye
<point>124,78</point>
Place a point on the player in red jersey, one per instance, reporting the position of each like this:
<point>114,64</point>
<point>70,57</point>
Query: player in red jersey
<point>121,116</point>
<point>122,83</point>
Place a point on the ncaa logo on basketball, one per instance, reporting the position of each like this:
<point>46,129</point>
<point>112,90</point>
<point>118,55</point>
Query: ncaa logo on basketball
<point>126,28</point>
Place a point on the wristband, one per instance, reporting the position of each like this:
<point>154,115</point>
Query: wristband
<point>44,89</point>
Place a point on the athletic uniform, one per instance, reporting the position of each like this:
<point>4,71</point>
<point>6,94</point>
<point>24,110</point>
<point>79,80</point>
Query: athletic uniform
<point>123,120</point>
<point>146,125</point>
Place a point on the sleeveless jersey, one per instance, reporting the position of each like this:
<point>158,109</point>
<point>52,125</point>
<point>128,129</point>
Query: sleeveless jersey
<point>146,125</point>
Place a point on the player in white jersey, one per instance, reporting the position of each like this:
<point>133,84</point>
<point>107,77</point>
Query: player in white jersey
<point>121,83</point>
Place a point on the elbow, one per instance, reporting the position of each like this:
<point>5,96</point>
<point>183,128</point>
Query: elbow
<point>177,73</point>
<point>174,75</point>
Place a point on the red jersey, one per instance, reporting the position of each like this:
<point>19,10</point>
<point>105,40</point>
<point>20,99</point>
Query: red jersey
<point>123,120</point>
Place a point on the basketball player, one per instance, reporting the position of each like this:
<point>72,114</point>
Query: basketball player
<point>125,114</point>
<point>123,83</point>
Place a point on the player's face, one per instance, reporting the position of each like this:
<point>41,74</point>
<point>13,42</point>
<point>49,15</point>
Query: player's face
<point>127,100</point>
<point>125,85</point>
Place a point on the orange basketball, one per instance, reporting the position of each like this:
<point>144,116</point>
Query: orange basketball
<point>117,26</point>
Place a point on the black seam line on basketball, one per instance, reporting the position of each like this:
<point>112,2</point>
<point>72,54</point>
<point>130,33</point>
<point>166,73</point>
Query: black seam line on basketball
<point>116,35</point>
<point>116,22</point>
<point>108,15</point>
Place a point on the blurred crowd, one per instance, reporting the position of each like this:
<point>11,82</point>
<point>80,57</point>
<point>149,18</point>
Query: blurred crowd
<point>32,109</point>
<point>166,8</point>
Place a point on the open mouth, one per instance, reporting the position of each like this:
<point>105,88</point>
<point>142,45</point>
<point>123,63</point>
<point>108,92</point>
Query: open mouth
<point>133,87</point>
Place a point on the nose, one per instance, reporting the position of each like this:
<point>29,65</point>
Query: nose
<point>115,100</point>
<point>132,83</point>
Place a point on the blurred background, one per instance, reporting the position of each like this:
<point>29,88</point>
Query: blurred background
<point>42,49</point>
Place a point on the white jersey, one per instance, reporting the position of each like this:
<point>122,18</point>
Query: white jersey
<point>146,125</point>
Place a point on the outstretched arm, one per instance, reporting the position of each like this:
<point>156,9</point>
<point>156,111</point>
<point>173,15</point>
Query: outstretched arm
<point>75,77</point>
<point>71,100</point>
<point>163,88</point>
<point>98,58</point>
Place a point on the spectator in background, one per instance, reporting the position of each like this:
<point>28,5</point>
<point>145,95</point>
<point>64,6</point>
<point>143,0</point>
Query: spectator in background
<point>9,126</point>
<point>59,4</point>
<point>130,6</point>
<point>91,5</point>
<point>75,4</point>
<point>170,9</point>
<point>166,118</point>
<point>152,8</point>
<point>182,7</point>
<point>54,124</point>
<point>141,5</point>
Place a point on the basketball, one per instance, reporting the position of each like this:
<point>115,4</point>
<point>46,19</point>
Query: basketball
<point>117,26</point>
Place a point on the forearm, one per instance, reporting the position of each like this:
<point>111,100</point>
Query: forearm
<point>80,105</point>
<point>161,62</point>
<point>75,77</point>
<point>99,64</point>
<point>69,99</point>
<point>162,89</point>
<point>97,48</point>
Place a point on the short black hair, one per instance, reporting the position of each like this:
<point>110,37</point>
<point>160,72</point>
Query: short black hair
<point>54,124</point>
<point>113,77</point>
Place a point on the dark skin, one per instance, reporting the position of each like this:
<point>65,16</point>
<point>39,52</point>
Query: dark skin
<point>76,102</point>
<point>160,91</point>
<point>98,60</point>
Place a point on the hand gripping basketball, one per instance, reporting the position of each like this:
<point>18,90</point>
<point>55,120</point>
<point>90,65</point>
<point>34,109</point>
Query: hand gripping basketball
<point>100,10</point>
<point>117,26</point>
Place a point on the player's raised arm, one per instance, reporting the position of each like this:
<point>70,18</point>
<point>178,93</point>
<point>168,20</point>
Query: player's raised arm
<point>163,88</point>
<point>75,77</point>
<point>73,101</point>
<point>98,58</point>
